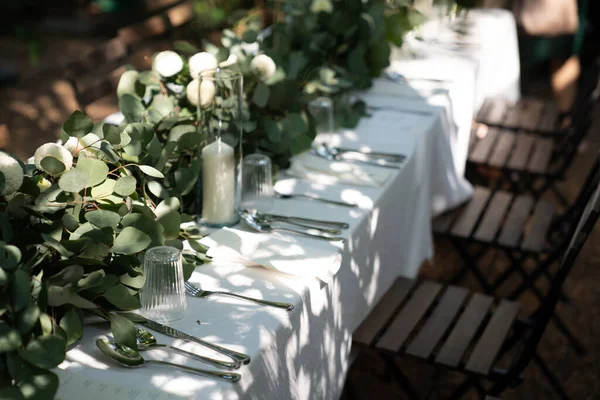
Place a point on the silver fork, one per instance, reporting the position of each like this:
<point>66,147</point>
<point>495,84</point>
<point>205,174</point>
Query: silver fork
<point>195,291</point>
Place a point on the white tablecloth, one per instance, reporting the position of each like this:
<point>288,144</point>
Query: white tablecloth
<point>302,354</point>
<point>491,45</point>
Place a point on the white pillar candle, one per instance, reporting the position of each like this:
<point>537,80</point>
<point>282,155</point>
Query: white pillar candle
<point>218,183</point>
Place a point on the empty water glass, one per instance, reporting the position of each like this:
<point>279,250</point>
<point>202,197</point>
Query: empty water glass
<point>321,109</point>
<point>163,294</point>
<point>257,182</point>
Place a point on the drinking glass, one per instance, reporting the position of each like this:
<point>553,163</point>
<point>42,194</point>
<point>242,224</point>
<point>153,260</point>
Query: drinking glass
<point>219,110</point>
<point>257,182</point>
<point>163,294</point>
<point>321,109</point>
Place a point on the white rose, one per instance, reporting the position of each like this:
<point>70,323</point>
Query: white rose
<point>263,66</point>
<point>168,63</point>
<point>231,60</point>
<point>318,6</point>
<point>192,91</point>
<point>56,151</point>
<point>12,172</point>
<point>89,146</point>
<point>200,62</point>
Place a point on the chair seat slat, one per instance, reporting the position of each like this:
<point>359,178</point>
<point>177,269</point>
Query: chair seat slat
<point>487,348</point>
<point>531,114</point>
<point>502,149</point>
<point>410,315</point>
<point>542,154</point>
<point>493,217</point>
<point>483,146</point>
<point>469,321</point>
<point>520,156</point>
<point>438,323</point>
<point>539,224</point>
<point>383,311</point>
<point>470,214</point>
<point>512,229</point>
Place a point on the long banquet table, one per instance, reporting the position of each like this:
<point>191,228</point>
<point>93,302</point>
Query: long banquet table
<point>304,354</point>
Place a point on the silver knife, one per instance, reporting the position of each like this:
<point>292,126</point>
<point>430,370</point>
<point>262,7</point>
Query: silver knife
<point>169,331</point>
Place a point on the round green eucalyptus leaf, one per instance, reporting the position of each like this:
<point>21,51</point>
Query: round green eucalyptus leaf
<point>12,393</point>
<point>157,189</point>
<point>148,225</point>
<point>125,186</point>
<point>60,295</point>
<point>120,297</point>
<point>73,181</point>
<point>103,218</point>
<point>72,324</point>
<point>69,222</point>
<point>3,278</point>
<point>45,351</point>
<point>135,282</point>
<point>105,189</point>
<point>52,165</point>
<point>46,324</point>
<point>10,256</point>
<point>131,107</point>
<point>96,170</point>
<point>78,124</point>
<point>130,240</point>
<point>28,317</point>
<point>123,330</point>
<point>93,279</point>
<point>151,171</point>
<point>21,289</point>
<point>250,36</point>
<point>88,230</point>
<point>10,339</point>
<point>40,386</point>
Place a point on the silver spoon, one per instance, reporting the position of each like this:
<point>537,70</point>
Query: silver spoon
<point>306,196</point>
<point>146,341</point>
<point>195,291</point>
<point>264,227</point>
<point>338,151</point>
<point>130,358</point>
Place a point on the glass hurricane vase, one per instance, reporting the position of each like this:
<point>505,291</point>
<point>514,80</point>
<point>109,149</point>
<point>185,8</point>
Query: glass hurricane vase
<point>220,96</point>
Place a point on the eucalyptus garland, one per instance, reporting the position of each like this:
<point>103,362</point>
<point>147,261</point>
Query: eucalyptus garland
<point>75,220</point>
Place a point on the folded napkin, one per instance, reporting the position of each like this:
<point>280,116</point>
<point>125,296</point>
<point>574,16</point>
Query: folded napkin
<point>320,170</point>
<point>296,256</point>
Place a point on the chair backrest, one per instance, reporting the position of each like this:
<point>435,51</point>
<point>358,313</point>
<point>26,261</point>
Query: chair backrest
<point>543,315</point>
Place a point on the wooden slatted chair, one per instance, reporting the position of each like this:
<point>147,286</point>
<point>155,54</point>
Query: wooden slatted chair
<point>526,162</point>
<point>534,115</point>
<point>517,226</point>
<point>468,332</point>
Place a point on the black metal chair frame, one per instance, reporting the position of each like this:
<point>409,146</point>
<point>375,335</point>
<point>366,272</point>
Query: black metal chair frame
<point>526,333</point>
<point>557,238</point>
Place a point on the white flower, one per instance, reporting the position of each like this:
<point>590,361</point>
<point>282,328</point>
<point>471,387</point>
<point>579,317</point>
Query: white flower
<point>73,145</point>
<point>56,151</point>
<point>318,6</point>
<point>43,183</point>
<point>200,62</point>
<point>88,146</point>
<point>263,66</point>
<point>12,172</point>
<point>167,63</point>
<point>231,60</point>
<point>207,92</point>
<point>250,48</point>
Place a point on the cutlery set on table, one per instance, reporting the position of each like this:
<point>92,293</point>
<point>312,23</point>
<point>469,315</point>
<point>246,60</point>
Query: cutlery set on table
<point>145,340</point>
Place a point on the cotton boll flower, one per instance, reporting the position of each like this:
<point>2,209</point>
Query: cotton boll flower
<point>200,62</point>
<point>12,172</point>
<point>231,60</point>
<point>192,91</point>
<point>168,63</point>
<point>207,92</point>
<point>250,48</point>
<point>56,151</point>
<point>72,145</point>
<point>319,6</point>
<point>263,66</point>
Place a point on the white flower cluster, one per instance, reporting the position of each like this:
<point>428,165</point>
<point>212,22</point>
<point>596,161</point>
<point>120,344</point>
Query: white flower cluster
<point>12,172</point>
<point>321,6</point>
<point>199,63</point>
<point>263,67</point>
<point>167,63</point>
